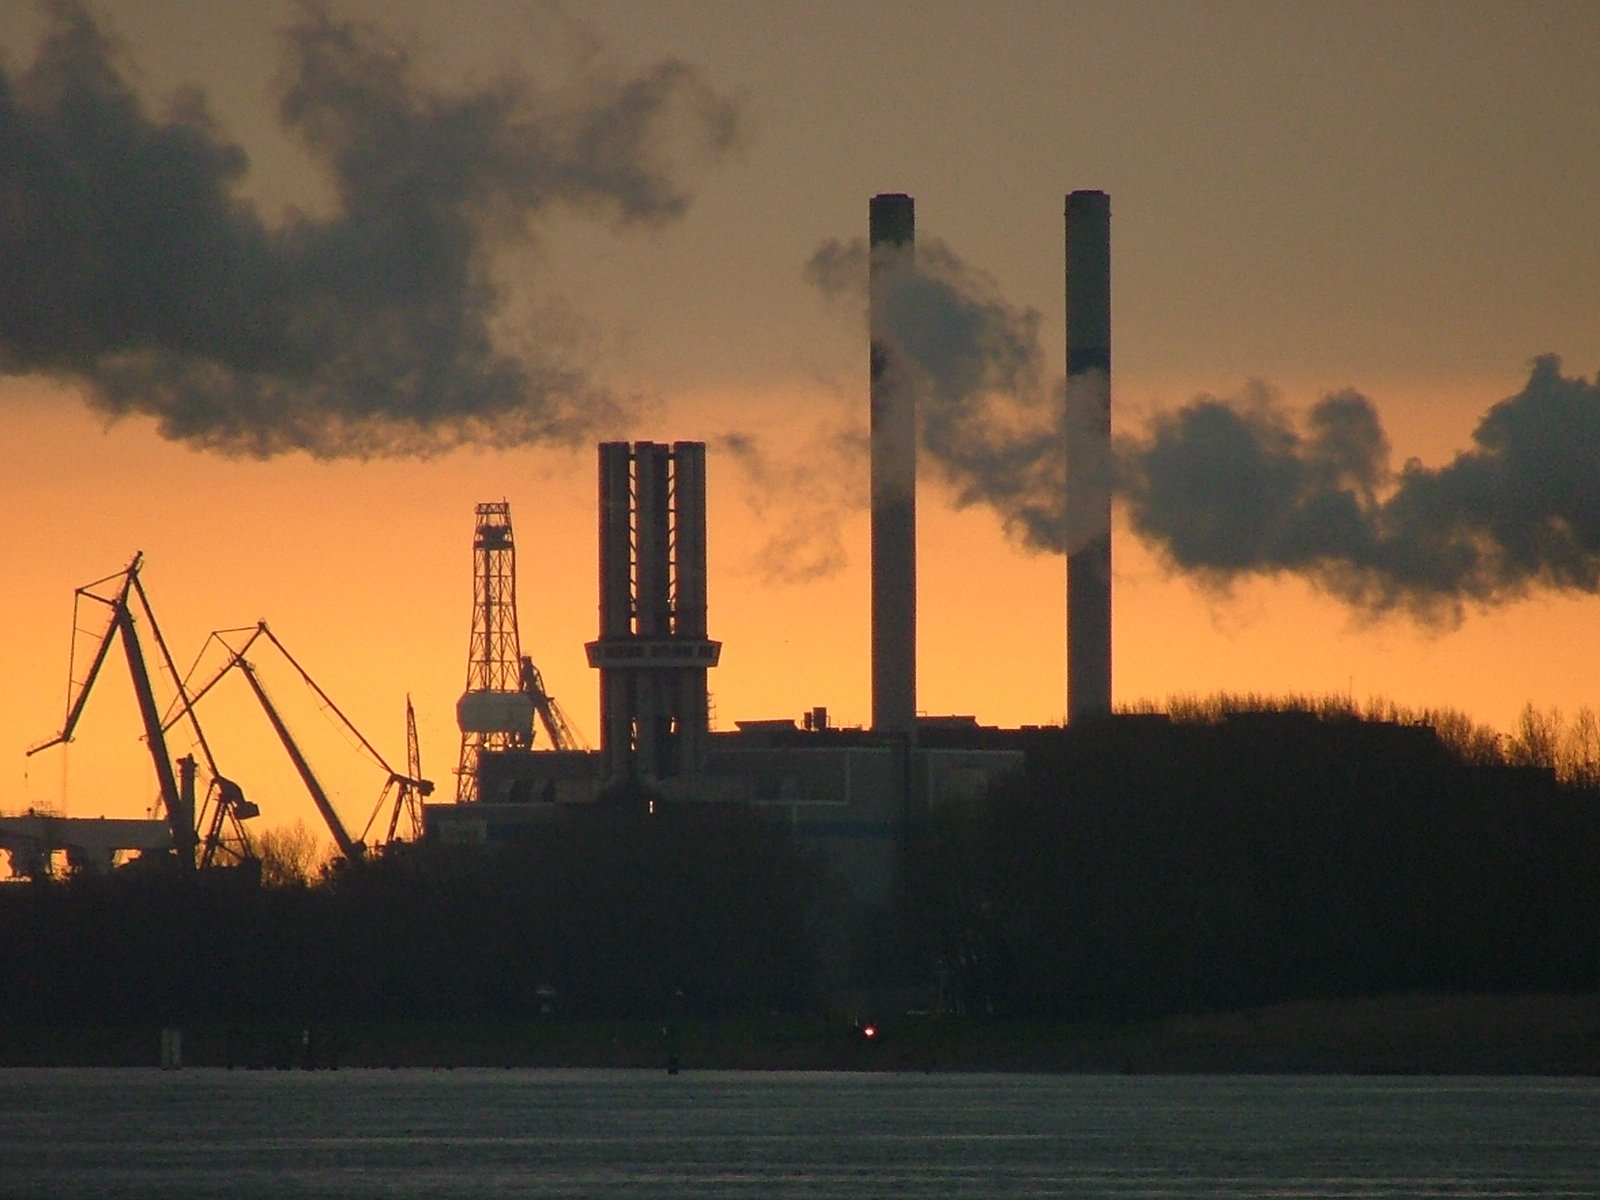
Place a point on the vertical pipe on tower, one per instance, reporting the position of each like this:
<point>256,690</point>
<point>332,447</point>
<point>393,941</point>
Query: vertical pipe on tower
<point>1088,434</point>
<point>689,539</point>
<point>891,228</point>
<point>616,536</point>
<point>616,601</point>
<point>689,592</point>
<point>653,547</point>
<point>652,597</point>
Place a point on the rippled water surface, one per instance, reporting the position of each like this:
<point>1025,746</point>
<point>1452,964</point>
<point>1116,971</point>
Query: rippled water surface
<point>74,1133</point>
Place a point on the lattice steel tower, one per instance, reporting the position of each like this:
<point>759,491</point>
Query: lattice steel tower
<point>496,711</point>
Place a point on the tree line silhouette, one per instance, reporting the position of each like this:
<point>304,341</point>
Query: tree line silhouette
<point>1245,857</point>
<point>1219,856</point>
<point>611,912</point>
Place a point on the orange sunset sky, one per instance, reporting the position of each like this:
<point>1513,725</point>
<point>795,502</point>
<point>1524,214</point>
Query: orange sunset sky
<point>1396,199</point>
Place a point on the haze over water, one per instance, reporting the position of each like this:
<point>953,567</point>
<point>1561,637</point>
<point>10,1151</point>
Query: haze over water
<point>478,1133</point>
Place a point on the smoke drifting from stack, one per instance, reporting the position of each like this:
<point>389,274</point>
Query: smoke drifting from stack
<point>130,264</point>
<point>990,425</point>
<point>802,497</point>
<point>1225,489</point>
<point>1234,488</point>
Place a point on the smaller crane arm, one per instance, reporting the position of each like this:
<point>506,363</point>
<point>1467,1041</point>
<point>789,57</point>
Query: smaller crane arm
<point>348,846</point>
<point>76,705</point>
<point>561,733</point>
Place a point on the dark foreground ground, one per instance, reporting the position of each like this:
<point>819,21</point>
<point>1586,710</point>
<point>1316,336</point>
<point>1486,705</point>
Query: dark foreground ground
<point>1555,1035</point>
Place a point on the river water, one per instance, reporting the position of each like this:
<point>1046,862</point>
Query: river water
<point>481,1133</point>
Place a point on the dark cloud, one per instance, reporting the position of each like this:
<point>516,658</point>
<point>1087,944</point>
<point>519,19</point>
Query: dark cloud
<point>130,262</point>
<point>1235,488</point>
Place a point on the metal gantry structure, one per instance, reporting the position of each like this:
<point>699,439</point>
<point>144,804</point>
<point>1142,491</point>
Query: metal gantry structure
<point>224,808</point>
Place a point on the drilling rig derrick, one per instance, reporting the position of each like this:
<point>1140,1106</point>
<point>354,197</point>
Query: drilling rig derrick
<point>495,711</point>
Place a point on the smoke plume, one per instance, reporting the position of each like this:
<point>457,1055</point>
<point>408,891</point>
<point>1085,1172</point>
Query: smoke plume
<point>1235,488</point>
<point>1229,488</point>
<point>802,496</point>
<point>989,423</point>
<point>129,262</point>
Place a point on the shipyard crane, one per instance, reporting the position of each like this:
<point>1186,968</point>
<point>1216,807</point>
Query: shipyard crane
<point>410,787</point>
<point>563,734</point>
<point>408,791</point>
<point>352,850</point>
<point>175,778</point>
<point>225,807</point>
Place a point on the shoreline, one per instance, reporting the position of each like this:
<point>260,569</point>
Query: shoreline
<point>1402,1035</point>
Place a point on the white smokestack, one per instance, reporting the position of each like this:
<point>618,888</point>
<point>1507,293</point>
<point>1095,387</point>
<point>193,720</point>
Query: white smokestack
<point>1088,445</point>
<point>891,227</point>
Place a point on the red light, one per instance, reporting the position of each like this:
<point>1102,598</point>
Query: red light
<point>869,1032</point>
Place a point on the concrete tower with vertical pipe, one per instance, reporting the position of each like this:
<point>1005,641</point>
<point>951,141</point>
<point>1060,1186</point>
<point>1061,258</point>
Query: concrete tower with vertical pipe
<point>892,227</point>
<point>652,652</point>
<point>1088,432</point>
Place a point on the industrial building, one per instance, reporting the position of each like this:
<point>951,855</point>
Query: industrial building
<point>91,843</point>
<point>852,792</point>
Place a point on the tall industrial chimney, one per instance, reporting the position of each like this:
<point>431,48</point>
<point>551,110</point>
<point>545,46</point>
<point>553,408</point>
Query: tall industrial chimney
<point>1088,431</point>
<point>892,230</point>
